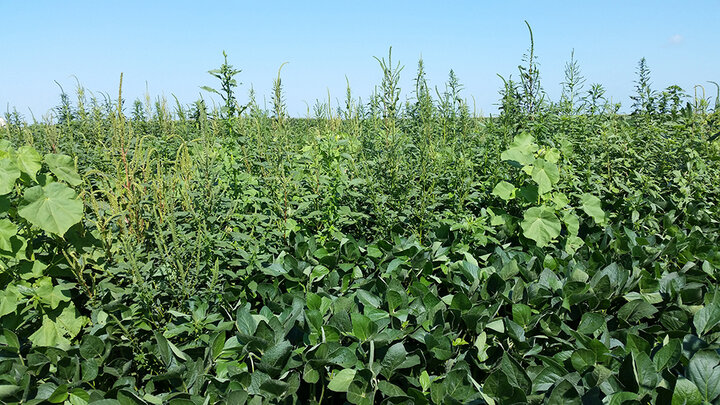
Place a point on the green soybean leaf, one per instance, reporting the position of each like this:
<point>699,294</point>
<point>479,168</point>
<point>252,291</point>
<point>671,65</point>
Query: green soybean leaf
<point>63,167</point>
<point>686,393</point>
<point>541,225</point>
<point>360,391</point>
<point>514,373</point>
<point>636,310</point>
<point>647,376</point>
<point>590,322</point>
<point>564,394</point>
<point>78,396</point>
<point>7,390</point>
<point>59,395</point>
<point>582,359</point>
<point>393,359</point>
<point>341,380</point>
<point>591,205</point>
<point>362,326</point>
<point>709,316</point>
<point>53,208</point>
<point>460,301</point>
<point>91,346</point>
<point>704,371</point>
<point>668,355</point>
<point>390,390</point>
<point>521,314</point>
<point>424,380</point>
<point>244,321</point>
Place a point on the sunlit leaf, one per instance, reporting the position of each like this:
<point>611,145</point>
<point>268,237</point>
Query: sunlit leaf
<point>53,208</point>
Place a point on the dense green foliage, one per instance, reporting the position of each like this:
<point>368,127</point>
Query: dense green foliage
<point>383,252</point>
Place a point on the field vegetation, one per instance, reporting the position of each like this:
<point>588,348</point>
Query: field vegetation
<point>399,250</point>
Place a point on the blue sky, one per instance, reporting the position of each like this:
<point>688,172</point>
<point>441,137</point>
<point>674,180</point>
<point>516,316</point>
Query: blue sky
<point>167,47</point>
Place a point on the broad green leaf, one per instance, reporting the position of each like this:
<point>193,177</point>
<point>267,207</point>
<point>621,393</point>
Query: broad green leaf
<point>545,174</point>
<point>310,375</point>
<point>162,349</point>
<point>127,397</point>
<point>582,359</point>
<point>521,150</point>
<point>71,321</point>
<point>481,345</point>
<point>564,394</point>
<point>29,161</point>
<point>394,357</point>
<point>9,300</point>
<point>634,311</point>
<point>31,270</point>
<point>497,386</point>
<point>53,208</point>
<point>424,380</point>
<point>572,224</point>
<point>275,388</point>
<point>529,193</point>
<point>590,322</point>
<point>360,391</point>
<point>244,321</point>
<point>460,301</point>
<point>341,380</point>
<point>709,316</point>
<point>591,205</point>
<point>552,155</point>
<point>10,339</point>
<point>78,396</point>
<point>63,167</point>
<point>92,346</point>
<point>390,390</point>
<point>686,393</point>
<point>59,395</point>
<point>396,299</point>
<point>521,314</point>
<point>704,371</point>
<point>277,354</point>
<point>622,397</point>
<point>362,326</point>
<point>541,225</point>
<point>668,355</point>
<point>572,244</point>
<point>514,373</point>
<point>504,190</point>
<point>49,334</point>
<point>7,231</point>
<point>51,295</point>
<point>217,344</point>
<point>497,325</point>
<point>514,331</point>
<point>560,199</point>
<point>9,173</point>
<point>648,377</point>
<point>7,390</point>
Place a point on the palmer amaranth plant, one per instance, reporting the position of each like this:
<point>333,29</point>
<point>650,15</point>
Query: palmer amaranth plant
<point>392,252</point>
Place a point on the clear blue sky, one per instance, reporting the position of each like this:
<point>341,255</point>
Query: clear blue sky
<point>169,46</point>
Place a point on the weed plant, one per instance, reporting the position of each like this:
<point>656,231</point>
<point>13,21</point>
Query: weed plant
<point>388,251</point>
